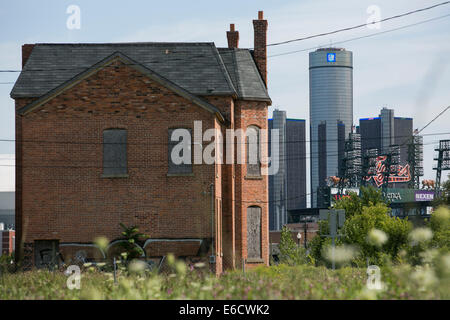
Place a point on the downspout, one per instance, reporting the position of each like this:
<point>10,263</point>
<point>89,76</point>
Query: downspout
<point>212,259</point>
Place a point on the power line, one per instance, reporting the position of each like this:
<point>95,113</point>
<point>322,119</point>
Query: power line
<point>360,25</point>
<point>440,114</point>
<point>203,143</point>
<point>274,44</point>
<point>362,37</point>
<point>146,165</point>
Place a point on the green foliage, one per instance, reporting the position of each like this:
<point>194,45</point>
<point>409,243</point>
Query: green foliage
<point>261,283</point>
<point>354,204</point>
<point>364,214</point>
<point>357,228</point>
<point>132,235</point>
<point>319,244</point>
<point>444,197</point>
<point>7,263</point>
<point>440,226</point>
<point>290,252</point>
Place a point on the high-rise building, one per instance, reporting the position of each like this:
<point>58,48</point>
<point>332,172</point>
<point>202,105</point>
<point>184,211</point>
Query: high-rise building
<point>385,131</point>
<point>278,181</point>
<point>296,163</point>
<point>287,188</point>
<point>331,112</point>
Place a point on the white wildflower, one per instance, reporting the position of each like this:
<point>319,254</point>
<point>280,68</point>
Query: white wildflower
<point>420,235</point>
<point>341,254</point>
<point>137,266</point>
<point>424,277</point>
<point>377,237</point>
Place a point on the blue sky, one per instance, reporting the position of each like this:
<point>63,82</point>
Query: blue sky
<point>407,70</point>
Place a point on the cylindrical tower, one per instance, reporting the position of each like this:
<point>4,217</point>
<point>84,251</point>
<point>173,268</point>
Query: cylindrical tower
<point>331,112</point>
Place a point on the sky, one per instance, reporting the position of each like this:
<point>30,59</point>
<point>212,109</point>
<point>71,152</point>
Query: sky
<point>407,70</point>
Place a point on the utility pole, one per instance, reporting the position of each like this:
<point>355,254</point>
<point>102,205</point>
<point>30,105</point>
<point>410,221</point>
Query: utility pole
<point>336,219</point>
<point>305,229</point>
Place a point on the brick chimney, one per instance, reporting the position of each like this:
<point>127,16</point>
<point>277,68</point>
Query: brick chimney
<point>260,49</point>
<point>26,51</point>
<point>233,37</point>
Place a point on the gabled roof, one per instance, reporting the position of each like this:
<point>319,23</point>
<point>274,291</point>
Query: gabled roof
<point>244,74</point>
<point>199,68</point>
<point>131,63</point>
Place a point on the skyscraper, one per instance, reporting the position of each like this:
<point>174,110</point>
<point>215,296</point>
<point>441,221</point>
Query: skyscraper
<point>287,188</point>
<point>278,181</point>
<point>385,131</point>
<point>331,112</point>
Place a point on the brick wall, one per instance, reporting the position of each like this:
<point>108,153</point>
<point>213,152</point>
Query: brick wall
<point>7,241</point>
<point>61,194</point>
<point>64,196</point>
<point>251,191</point>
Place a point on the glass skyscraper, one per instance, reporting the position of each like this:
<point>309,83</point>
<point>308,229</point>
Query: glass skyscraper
<point>287,188</point>
<point>331,112</point>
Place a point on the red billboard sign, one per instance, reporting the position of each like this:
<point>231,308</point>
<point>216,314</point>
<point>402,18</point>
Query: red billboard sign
<point>398,173</point>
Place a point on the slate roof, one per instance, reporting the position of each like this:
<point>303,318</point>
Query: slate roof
<point>244,74</point>
<point>199,68</point>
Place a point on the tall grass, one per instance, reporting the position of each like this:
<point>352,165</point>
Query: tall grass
<point>276,282</point>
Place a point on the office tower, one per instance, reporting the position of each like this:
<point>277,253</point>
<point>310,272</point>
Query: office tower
<point>331,112</point>
<point>385,131</point>
<point>278,181</point>
<point>287,188</point>
<point>296,163</point>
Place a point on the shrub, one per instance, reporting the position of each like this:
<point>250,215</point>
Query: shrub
<point>132,235</point>
<point>290,252</point>
<point>358,229</point>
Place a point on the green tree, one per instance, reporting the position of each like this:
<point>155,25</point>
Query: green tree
<point>444,197</point>
<point>357,227</point>
<point>290,252</point>
<point>440,226</point>
<point>369,196</point>
<point>133,236</point>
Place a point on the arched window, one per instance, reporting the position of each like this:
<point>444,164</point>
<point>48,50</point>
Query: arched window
<point>254,232</point>
<point>253,151</point>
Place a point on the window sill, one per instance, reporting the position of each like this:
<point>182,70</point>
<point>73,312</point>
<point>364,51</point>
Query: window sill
<point>115,176</point>
<point>254,260</point>
<point>180,174</point>
<point>253,177</point>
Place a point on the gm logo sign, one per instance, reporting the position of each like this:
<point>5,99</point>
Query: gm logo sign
<point>331,57</point>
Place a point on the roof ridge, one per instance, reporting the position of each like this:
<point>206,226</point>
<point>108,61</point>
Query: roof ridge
<point>122,43</point>
<point>238,77</point>
<point>224,70</point>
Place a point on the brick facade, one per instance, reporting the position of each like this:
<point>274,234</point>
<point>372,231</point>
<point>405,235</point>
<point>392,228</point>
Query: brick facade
<point>7,241</point>
<point>61,194</point>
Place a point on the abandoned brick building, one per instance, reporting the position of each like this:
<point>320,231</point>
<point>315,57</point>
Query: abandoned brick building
<point>81,107</point>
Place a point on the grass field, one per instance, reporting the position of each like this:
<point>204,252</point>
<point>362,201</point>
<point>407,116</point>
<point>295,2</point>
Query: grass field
<point>276,282</point>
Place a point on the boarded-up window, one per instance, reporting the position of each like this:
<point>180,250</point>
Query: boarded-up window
<point>180,155</point>
<point>114,152</point>
<point>253,232</point>
<point>253,151</point>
